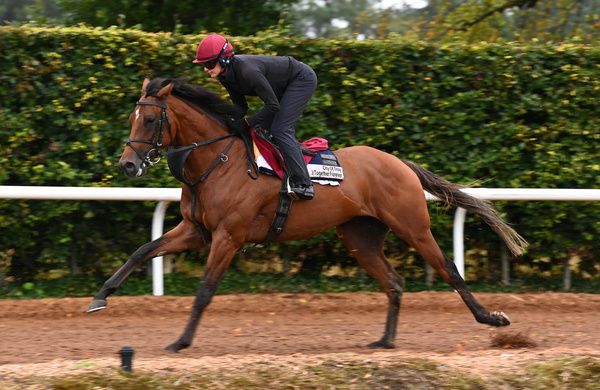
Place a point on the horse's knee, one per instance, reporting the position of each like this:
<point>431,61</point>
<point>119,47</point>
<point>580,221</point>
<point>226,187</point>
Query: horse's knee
<point>143,252</point>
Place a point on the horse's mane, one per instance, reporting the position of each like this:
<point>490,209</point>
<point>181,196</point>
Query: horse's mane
<point>198,96</point>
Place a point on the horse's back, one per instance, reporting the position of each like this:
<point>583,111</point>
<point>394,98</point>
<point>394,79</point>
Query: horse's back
<point>376,167</point>
<point>376,184</point>
<point>385,187</point>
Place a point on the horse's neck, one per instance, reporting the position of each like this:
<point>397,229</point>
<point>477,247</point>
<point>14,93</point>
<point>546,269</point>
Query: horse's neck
<point>197,127</point>
<point>226,153</point>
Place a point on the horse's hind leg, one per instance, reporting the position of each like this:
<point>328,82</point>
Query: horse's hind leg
<point>184,236</point>
<point>420,237</point>
<point>364,237</point>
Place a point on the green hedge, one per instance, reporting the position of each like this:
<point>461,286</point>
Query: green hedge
<point>493,115</point>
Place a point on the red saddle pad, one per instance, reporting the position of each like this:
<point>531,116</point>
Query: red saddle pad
<point>274,157</point>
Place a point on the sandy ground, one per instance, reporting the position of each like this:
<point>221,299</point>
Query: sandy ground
<point>50,337</point>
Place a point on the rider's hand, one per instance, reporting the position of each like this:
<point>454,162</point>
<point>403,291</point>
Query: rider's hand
<point>238,126</point>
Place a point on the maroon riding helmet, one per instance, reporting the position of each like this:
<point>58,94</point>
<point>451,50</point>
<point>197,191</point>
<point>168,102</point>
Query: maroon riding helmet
<point>212,48</point>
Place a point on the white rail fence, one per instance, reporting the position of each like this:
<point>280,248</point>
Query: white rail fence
<point>165,195</point>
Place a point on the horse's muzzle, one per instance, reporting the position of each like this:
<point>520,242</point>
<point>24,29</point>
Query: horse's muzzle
<point>132,169</point>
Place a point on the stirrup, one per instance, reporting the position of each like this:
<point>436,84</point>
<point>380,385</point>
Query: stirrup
<point>304,192</point>
<point>290,193</point>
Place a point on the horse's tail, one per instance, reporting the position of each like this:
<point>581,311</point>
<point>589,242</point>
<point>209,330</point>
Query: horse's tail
<point>451,194</point>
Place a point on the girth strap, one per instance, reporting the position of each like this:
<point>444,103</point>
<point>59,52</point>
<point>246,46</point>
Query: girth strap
<point>283,210</point>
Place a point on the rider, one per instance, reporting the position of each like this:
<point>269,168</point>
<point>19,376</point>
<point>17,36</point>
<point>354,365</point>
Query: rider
<point>284,84</point>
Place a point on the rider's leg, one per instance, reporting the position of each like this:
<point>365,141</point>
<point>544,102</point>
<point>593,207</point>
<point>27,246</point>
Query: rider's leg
<point>292,104</point>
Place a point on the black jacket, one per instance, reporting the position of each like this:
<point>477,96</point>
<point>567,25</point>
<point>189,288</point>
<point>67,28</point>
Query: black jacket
<point>258,75</point>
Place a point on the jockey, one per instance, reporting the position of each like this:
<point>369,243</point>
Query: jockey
<point>284,84</point>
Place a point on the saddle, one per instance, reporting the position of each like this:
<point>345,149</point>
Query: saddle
<point>322,164</point>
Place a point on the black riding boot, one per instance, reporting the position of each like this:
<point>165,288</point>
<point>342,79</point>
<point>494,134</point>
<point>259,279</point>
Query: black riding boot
<point>302,191</point>
<point>300,186</point>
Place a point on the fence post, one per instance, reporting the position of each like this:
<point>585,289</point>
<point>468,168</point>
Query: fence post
<point>567,274</point>
<point>458,239</point>
<point>428,275</point>
<point>158,222</point>
<point>505,265</point>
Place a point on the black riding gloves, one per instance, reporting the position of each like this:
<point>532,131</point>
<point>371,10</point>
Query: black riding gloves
<point>237,126</point>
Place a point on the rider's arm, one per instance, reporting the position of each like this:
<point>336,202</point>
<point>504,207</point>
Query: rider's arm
<point>263,90</point>
<point>238,99</point>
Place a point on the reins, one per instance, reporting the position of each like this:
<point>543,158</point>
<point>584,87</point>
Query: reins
<point>177,156</point>
<point>177,168</point>
<point>155,154</point>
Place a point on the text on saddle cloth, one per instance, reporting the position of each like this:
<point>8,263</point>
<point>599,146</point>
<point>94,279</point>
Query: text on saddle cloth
<point>322,164</point>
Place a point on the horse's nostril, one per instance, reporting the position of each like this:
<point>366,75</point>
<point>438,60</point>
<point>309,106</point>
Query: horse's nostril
<point>129,168</point>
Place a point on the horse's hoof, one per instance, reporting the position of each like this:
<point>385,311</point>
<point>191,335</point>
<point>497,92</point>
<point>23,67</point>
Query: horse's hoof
<point>499,318</point>
<point>381,344</point>
<point>177,346</point>
<point>97,304</point>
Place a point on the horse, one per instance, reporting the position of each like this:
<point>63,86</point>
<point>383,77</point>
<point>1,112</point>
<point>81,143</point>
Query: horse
<point>225,207</point>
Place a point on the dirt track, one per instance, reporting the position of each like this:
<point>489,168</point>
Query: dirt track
<point>51,336</point>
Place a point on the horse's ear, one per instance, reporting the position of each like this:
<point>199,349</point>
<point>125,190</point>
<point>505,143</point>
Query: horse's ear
<point>165,91</point>
<point>145,86</point>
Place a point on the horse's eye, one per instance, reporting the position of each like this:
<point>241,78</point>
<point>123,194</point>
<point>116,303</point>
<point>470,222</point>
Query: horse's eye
<point>150,120</point>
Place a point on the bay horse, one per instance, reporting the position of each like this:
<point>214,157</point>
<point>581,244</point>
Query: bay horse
<point>225,207</point>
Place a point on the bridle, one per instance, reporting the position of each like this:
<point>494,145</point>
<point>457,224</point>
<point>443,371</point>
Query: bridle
<point>155,153</point>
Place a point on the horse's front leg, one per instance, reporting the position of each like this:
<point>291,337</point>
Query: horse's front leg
<point>184,236</point>
<point>222,250</point>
